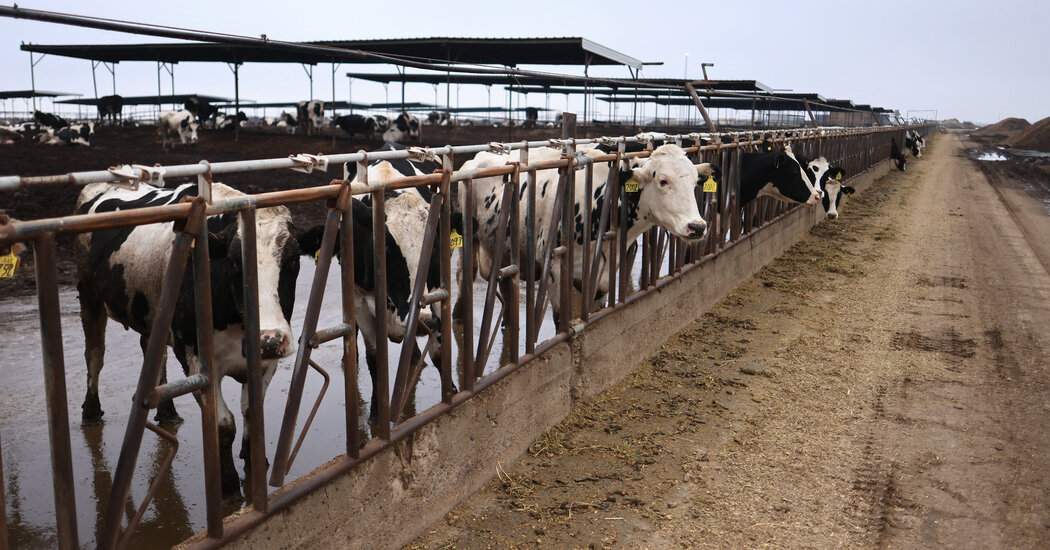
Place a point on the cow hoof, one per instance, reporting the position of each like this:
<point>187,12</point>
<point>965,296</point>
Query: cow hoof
<point>91,419</point>
<point>170,420</point>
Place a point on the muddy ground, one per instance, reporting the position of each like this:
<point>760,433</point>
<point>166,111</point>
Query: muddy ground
<point>883,384</point>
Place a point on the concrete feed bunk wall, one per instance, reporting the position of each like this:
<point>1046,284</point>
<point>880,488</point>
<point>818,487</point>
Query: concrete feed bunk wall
<point>397,494</point>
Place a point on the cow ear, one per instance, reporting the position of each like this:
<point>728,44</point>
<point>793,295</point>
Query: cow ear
<point>848,190</point>
<point>642,174</point>
<point>836,173</point>
<point>707,169</point>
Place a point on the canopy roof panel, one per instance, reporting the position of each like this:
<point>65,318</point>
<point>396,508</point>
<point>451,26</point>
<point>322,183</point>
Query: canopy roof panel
<point>33,93</point>
<point>494,51</point>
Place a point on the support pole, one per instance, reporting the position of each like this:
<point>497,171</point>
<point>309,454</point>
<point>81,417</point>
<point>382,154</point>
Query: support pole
<point>700,105</point>
<point>813,119</point>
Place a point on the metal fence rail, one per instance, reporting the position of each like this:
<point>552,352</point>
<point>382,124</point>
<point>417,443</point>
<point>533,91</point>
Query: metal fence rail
<point>516,263</point>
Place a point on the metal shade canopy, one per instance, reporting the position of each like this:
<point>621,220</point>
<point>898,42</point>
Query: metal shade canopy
<point>497,51</point>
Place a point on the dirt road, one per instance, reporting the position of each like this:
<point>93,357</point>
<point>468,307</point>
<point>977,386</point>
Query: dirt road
<point>883,384</point>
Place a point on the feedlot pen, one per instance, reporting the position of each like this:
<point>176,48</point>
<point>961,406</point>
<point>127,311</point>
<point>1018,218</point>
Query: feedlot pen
<point>362,484</point>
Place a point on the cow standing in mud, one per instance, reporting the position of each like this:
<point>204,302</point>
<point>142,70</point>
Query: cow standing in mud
<point>120,275</point>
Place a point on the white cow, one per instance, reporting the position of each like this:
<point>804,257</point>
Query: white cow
<point>662,193</point>
<point>181,123</point>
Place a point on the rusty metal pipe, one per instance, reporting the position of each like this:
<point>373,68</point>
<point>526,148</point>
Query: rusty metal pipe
<point>253,348</point>
<point>55,388</point>
<point>175,389</point>
<point>110,530</point>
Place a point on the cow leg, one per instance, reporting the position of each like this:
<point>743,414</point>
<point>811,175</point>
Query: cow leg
<point>166,413</point>
<point>231,480</point>
<point>93,318</point>
<point>366,323</point>
<point>268,368</point>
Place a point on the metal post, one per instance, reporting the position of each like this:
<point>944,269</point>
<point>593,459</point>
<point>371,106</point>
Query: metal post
<point>382,381</point>
<point>813,119</point>
<point>180,249</point>
<point>700,105</point>
<point>55,387</point>
<point>253,354</point>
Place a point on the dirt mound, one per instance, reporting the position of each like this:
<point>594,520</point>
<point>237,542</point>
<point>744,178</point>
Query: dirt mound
<point>1035,137</point>
<point>1006,128</point>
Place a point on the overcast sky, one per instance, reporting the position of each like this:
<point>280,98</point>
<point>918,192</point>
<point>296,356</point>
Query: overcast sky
<point>968,60</point>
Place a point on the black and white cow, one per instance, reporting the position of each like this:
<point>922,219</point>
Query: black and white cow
<point>227,122</point>
<point>834,190</point>
<point>311,116</point>
<point>915,142</point>
<point>76,134</point>
<point>895,153</point>
<point>181,123</point>
<point>783,175</point>
<point>438,118</point>
<point>120,275</point>
<point>405,127</point>
<point>664,197</point>
<point>110,106</point>
<point>200,109</point>
<point>406,217</point>
<point>358,124</point>
<point>49,120</point>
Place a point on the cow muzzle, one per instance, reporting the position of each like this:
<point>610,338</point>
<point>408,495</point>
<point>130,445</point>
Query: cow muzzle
<point>832,215</point>
<point>275,344</point>
<point>813,199</point>
<point>696,230</point>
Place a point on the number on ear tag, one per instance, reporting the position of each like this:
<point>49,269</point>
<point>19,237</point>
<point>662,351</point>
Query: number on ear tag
<point>631,186</point>
<point>710,186</point>
<point>8,264</point>
<point>455,240</point>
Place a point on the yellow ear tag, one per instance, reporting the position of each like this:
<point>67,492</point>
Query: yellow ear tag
<point>455,240</point>
<point>710,186</point>
<point>838,176</point>
<point>7,265</point>
<point>631,186</point>
<point>316,255</point>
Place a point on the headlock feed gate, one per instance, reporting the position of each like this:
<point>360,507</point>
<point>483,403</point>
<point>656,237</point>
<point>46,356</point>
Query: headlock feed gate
<point>517,262</point>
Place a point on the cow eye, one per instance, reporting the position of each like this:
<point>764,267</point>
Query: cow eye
<point>664,183</point>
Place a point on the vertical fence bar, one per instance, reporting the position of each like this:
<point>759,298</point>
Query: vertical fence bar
<point>55,388</point>
<point>568,228</point>
<point>282,455</point>
<point>382,380</point>
<point>209,394</point>
<point>585,253</point>
<point>110,531</point>
<point>348,289</point>
<point>510,341</point>
<point>445,267</point>
<point>531,323</point>
<point>253,355</point>
<point>466,347</point>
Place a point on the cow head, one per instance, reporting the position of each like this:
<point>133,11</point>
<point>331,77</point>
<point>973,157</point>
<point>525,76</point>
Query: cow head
<point>277,251</point>
<point>834,189</point>
<point>188,128</point>
<point>792,180</point>
<point>667,181</point>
